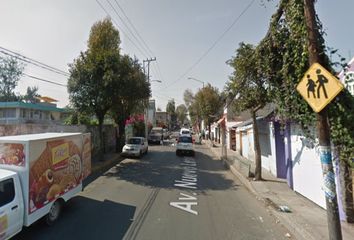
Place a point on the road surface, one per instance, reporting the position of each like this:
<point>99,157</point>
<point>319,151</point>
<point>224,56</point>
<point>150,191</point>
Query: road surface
<point>162,196</point>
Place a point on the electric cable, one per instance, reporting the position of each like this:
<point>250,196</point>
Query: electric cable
<point>212,46</point>
<point>126,35</point>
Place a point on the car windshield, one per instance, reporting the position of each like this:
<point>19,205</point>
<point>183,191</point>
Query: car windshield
<point>134,141</point>
<point>185,139</point>
<point>185,132</point>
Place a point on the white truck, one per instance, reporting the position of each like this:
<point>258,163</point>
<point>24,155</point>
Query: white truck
<point>38,174</point>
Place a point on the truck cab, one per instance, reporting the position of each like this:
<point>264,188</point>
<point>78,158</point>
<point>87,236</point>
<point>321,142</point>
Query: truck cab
<point>11,204</point>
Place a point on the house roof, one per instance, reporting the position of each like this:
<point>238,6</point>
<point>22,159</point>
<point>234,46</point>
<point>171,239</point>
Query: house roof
<point>47,99</point>
<point>31,106</point>
<point>245,115</point>
<point>261,114</point>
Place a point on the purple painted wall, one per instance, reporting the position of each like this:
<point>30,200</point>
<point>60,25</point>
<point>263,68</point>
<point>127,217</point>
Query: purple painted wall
<point>280,151</point>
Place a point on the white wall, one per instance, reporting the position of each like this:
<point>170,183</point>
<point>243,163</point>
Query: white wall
<point>307,171</point>
<point>267,144</point>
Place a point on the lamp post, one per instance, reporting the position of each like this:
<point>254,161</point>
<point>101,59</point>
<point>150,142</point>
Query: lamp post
<point>159,81</point>
<point>192,78</point>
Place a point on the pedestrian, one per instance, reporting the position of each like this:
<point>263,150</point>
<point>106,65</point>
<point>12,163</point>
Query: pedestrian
<point>321,80</point>
<point>311,85</point>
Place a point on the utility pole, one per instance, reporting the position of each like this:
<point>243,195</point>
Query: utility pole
<point>147,105</point>
<point>323,133</point>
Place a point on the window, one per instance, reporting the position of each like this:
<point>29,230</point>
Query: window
<point>134,141</point>
<point>8,113</point>
<point>23,113</point>
<point>185,139</point>
<point>7,191</point>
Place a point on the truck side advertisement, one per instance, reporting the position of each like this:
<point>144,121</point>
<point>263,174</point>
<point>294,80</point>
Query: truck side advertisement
<point>60,166</point>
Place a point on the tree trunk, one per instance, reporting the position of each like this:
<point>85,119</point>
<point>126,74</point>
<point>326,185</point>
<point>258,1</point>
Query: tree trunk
<point>101,135</point>
<point>209,133</point>
<point>121,137</point>
<point>257,149</point>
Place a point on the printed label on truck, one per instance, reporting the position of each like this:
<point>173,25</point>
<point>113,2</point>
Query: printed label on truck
<point>57,170</point>
<point>12,154</point>
<point>60,155</point>
<point>3,226</point>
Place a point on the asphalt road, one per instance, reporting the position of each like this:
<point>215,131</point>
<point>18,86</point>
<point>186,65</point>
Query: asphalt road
<point>162,196</point>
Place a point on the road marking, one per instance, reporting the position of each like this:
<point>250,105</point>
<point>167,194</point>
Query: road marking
<point>186,197</point>
<point>185,206</point>
<point>189,179</point>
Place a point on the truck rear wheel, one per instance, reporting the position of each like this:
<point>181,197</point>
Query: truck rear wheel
<point>54,212</point>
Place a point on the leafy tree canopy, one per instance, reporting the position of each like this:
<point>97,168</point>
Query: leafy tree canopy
<point>10,73</point>
<point>94,71</point>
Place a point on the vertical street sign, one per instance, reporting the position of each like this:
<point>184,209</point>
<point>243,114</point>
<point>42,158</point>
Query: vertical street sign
<point>319,87</point>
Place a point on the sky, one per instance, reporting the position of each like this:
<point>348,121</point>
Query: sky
<point>179,33</point>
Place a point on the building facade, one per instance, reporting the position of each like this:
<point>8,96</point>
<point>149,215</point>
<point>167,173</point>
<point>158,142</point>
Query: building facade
<point>20,112</point>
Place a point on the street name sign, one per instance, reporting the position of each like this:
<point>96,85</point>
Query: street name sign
<point>318,87</point>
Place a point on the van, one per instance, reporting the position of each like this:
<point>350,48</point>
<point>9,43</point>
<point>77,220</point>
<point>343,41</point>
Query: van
<point>184,131</point>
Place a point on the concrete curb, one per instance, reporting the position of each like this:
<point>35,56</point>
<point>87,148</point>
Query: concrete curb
<point>102,165</point>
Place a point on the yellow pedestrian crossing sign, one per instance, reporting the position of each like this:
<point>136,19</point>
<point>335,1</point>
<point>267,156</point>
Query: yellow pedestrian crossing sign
<point>318,87</point>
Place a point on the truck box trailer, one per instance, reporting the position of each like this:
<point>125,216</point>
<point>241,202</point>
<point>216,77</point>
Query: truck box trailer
<point>38,174</point>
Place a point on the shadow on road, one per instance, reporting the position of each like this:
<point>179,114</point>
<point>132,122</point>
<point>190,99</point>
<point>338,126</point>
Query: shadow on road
<point>160,169</point>
<point>85,218</point>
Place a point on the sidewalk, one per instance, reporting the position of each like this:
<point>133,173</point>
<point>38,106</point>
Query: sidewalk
<point>306,219</point>
<point>109,159</point>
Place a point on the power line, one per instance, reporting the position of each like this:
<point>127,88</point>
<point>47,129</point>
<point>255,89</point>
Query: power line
<point>44,80</point>
<point>135,30</point>
<point>213,45</point>
<point>32,61</point>
<point>126,35</point>
<point>129,30</point>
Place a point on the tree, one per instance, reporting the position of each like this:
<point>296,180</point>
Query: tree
<point>181,113</point>
<point>207,106</point>
<point>94,71</point>
<point>31,95</point>
<point>171,110</point>
<point>188,97</point>
<point>250,92</point>
<point>129,94</point>
<point>10,73</point>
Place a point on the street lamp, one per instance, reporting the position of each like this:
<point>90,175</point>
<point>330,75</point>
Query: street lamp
<point>159,81</point>
<point>196,80</point>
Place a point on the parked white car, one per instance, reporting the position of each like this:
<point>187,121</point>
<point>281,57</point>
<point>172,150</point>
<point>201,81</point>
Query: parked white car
<point>185,145</point>
<point>135,146</point>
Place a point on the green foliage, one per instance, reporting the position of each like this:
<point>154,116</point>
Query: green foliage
<point>77,118</point>
<point>181,112</point>
<point>10,73</point>
<point>246,85</point>
<point>130,90</point>
<point>92,74</point>
<point>284,57</point>
<point>171,110</point>
<point>31,95</point>
<point>208,104</point>
<point>188,97</point>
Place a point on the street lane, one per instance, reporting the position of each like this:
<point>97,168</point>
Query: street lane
<point>141,199</point>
